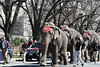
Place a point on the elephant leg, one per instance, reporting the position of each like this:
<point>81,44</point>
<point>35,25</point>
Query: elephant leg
<point>87,56</point>
<point>61,59</point>
<point>91,56</point>
<point>65,57</point>
<point>55,57</point>
<point>72,55</point>
<point>43,59</point>
<point>99,56</point>
<point>52,54</point>
<point>82,55</point>
<point>44,55</point>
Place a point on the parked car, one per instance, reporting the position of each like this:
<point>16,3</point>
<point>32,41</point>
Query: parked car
<point>9,55</point>
<point>34,51</point>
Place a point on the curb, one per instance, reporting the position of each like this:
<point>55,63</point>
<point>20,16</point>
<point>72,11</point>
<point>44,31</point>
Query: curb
<point>16,59</point>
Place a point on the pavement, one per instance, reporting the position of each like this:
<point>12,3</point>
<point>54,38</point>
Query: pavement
<point>17,62</point>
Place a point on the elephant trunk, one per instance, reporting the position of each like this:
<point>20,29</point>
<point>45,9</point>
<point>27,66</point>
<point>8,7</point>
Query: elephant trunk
<point>45,49</point>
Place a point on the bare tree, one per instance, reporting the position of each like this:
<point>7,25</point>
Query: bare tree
<point>41,11</point>
<point>7,16</point>
<point>82,14</point>
<point>79,14</point>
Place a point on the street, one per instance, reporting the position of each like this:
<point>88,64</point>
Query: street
<point>34,63</point>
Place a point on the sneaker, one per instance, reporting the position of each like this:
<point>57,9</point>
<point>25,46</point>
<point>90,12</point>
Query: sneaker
<point>4,63</point>
<point>82,64</point>
<point>7,62</point>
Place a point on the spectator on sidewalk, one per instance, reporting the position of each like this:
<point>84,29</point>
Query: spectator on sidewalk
<point>20,50</point>
<point>30,42</point>
<point>4,48</point>
<point>24,48</point>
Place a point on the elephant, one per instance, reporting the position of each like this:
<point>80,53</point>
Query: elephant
<point>71,34</point>
<point>93,34</point>
<point>54,41</point>
<point>92,37</point>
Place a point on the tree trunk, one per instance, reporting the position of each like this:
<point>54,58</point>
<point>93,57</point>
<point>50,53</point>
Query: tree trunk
<point>36,31</point>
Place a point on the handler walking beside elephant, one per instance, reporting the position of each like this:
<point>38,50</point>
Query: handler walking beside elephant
<point>78,52</point>
<point>83,50</point>
<point>95,49</point>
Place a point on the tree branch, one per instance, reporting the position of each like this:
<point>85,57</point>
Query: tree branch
<point>2,27</point>
<point>2,19</point>
<point>16,13</point>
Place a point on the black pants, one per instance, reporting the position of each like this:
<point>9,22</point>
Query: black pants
<point>3,54</point>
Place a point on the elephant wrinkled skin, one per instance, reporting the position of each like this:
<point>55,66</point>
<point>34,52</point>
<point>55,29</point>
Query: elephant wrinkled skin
<point>55,42</point>
<point>92,37</point>
<point>72,34</point>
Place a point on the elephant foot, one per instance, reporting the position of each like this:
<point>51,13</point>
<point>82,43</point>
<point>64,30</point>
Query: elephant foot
<point>42,64</point>
<point>72,62</point>
<point>61,62</point>
<point>87,61</point>
<point>65,63</point>
<point>55,65</point>
<point>98,60</point>
<point>91,60</point>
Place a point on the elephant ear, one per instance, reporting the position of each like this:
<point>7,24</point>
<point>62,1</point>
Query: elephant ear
<point>56,33</point>
<point>71,36</point>
<point>51,31</point>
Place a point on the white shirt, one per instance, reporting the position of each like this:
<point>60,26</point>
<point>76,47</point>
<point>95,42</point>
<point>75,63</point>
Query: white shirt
<point>3,44</point>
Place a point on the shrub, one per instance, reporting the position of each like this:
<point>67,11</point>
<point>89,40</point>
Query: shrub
<point>17,40</point>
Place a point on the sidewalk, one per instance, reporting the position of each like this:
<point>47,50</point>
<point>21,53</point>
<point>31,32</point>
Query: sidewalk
<point>15,59</point>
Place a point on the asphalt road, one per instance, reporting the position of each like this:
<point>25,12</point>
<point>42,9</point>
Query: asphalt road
<point>19,63</point>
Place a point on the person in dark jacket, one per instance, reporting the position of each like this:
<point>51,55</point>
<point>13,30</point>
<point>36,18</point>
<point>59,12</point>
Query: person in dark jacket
<point>24,46</point>
<point>78,52</point>
<point>83,49</point>
<point>95,49</point>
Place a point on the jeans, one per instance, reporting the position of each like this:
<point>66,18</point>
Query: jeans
<point>78,56</point>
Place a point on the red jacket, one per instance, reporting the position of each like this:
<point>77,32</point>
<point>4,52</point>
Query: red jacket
<point>29,43</point>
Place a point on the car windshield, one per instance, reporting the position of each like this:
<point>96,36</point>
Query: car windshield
<point>35,45</point>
